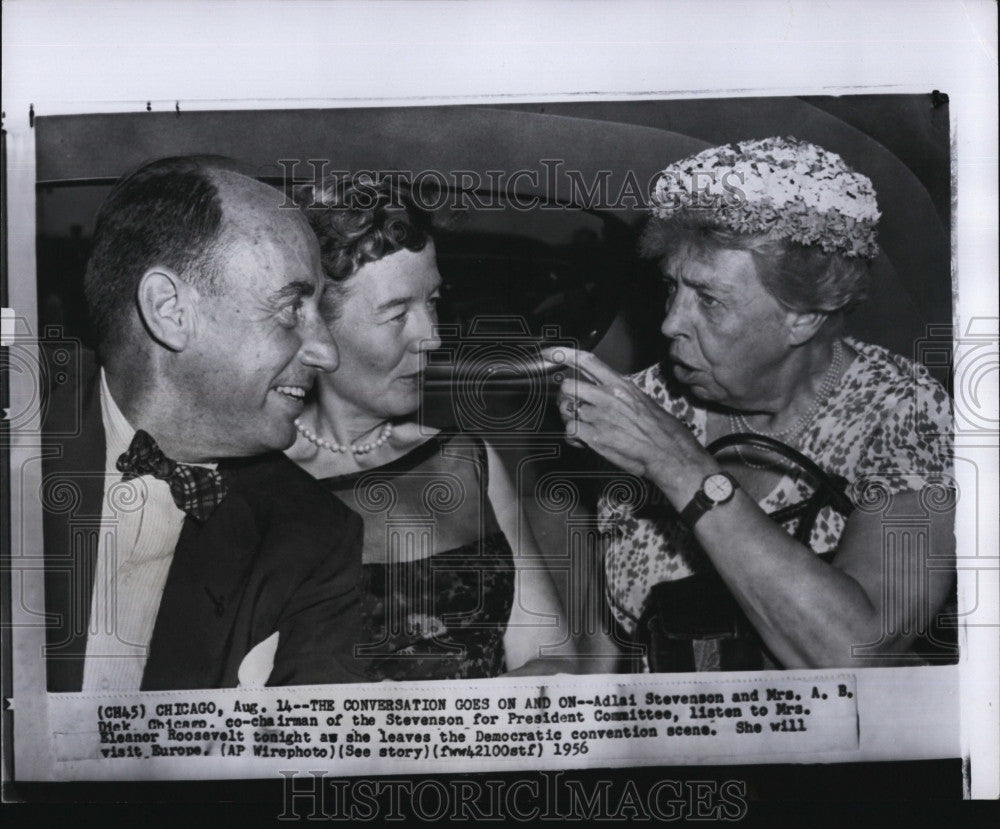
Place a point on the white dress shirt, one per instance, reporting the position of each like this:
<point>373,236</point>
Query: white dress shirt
<point>140,526</point>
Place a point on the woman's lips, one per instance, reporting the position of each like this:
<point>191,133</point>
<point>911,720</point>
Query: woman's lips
<point>682,369</point>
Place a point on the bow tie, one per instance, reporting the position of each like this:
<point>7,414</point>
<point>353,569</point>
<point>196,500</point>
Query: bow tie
<point>195,489</point>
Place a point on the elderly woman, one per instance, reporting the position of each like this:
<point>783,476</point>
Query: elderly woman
<point>764,246</point>
<point>455,585</point>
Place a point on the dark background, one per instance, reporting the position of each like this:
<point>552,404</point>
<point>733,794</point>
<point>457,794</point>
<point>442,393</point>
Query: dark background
<point>575,268</point>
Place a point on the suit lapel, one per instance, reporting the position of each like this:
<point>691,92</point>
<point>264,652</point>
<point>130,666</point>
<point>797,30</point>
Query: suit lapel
<point>200,611</point>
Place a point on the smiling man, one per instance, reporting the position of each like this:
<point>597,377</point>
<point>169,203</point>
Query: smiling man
<point>192,553</point>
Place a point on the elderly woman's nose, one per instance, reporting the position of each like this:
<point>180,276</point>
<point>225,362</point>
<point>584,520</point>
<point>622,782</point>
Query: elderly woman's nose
<point>675,321</point>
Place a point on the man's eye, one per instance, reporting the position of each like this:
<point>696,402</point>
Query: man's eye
<point>432,303</point>
<point>291,315</point>
<point>398,317</point>
<point>707,301</point>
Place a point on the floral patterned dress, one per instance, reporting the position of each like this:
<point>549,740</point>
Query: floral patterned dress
<point>439,571</point>
<point>886,428</point>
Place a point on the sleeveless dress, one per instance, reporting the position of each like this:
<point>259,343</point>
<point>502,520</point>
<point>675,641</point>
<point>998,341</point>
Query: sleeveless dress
<point>439,571</point>
<point>886,428</point>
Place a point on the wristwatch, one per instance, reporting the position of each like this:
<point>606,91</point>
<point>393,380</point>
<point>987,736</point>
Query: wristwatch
<point>716,489</point>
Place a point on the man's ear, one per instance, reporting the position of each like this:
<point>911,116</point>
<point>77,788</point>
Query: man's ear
<point>803,325</point>
<point>167,307</point>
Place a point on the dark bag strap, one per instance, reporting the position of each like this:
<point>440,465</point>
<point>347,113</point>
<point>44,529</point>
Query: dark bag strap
<point>701,607</point>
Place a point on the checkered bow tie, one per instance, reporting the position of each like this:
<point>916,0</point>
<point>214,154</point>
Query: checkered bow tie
<point>195,489</point>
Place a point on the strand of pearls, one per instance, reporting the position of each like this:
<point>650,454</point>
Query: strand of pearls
<point>791,434</point>
<point>354,449</point>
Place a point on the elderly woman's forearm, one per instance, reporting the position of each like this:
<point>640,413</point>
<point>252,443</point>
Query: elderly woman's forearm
<point>808,612</point>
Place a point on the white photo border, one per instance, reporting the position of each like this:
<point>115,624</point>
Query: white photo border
<point>62,69</point>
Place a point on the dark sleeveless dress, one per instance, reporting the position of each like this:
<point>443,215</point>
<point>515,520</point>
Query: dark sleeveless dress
<point>439,571</point>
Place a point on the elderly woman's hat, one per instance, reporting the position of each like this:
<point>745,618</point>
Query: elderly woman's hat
<point>781,187</point>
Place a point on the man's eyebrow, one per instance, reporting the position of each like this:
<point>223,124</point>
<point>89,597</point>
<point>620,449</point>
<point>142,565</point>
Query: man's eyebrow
<point>293,290</point>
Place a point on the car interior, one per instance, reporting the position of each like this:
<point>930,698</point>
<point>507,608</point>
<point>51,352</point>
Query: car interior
<point>537,211</point>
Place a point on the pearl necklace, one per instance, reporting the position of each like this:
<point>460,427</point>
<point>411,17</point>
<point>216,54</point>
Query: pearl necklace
<point>739,423</point>
<point>354,449</point>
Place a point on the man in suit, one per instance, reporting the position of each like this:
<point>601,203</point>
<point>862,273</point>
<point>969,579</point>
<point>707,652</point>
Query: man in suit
<point>183,550</point>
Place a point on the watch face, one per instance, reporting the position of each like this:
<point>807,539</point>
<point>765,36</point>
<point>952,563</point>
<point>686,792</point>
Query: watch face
<point>718,488</point>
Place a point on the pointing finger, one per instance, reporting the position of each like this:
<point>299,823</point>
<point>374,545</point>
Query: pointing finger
<point>583,362</point>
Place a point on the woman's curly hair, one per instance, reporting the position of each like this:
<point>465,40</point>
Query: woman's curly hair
<point>361,220</point>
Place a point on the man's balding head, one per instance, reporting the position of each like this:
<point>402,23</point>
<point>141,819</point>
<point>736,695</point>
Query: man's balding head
<point>173,213</point>
<point>252,211</point>
<point>205,295</point>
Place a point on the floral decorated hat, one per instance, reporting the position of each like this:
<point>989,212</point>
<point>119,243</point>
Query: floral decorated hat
<point>783,187</point>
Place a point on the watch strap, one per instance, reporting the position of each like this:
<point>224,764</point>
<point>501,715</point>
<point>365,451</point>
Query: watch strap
<point>696,508</point>
<point>700,503</point>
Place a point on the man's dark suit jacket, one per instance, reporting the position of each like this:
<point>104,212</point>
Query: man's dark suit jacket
<point>278,554</point>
